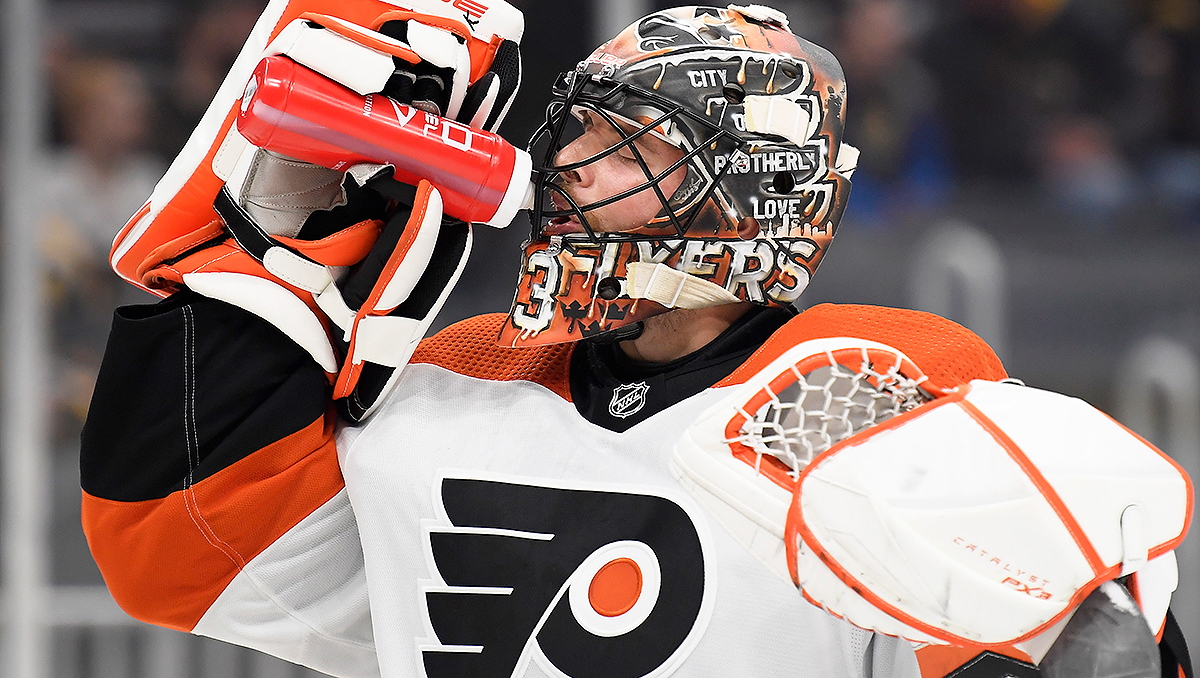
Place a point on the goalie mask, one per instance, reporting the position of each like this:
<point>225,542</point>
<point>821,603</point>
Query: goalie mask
<point>746,206</point>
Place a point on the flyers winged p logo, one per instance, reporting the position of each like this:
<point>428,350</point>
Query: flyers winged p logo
<point>588,583</point>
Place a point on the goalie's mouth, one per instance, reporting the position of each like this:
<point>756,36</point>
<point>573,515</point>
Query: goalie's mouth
<point>562,225</point>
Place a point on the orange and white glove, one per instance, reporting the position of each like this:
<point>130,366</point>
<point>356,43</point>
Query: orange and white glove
<point>439,59</point>
<point>357,299</point>
<point>350,265</point>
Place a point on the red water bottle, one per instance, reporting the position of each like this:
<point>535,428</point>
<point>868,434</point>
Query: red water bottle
<point>299,113</point>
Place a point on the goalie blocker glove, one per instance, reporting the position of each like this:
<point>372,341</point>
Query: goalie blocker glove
<point>357,299</point>
<point>343,42</point>
<point>352,276</point>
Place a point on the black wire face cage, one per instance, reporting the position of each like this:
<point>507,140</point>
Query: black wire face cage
<point>603,95</point>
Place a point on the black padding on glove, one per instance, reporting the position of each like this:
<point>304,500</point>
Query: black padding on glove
<point>248,234</point>
<point>1173,650</point>
<point>361,204</point>
<point>475,95</point>
<point>361,281</point>
<point>507,66</point>
<point>506,73</point>
<point>447,255</point>
<point>422,85</point>
<point>385,185</point>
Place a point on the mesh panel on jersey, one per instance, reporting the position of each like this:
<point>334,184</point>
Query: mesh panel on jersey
<point>855,645</point>
<point>469,348</point>
<point>948,353</point>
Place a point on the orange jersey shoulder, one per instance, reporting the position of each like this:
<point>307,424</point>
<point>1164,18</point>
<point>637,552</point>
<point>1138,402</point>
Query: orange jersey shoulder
<point>469,348</point>
<point>947,352</point>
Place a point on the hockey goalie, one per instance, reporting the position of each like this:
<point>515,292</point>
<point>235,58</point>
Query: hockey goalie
<point>652,465</point>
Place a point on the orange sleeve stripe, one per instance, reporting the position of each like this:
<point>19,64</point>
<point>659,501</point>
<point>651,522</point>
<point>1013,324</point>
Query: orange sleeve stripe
<point>166,560</point>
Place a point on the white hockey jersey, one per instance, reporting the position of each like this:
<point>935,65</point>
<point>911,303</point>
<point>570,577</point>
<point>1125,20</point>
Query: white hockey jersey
<point>484,528</point>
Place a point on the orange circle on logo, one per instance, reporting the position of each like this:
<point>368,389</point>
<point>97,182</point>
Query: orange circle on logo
<point>616,587</point>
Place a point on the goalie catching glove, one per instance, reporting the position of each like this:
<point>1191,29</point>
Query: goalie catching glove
<point>914,503</point>
<point>348,262</point>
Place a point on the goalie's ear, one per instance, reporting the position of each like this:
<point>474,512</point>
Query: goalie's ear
<point>983,518</point>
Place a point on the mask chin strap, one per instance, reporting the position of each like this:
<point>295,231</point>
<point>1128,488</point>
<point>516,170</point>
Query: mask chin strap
<point>674,289</point>
<point>623,333</point>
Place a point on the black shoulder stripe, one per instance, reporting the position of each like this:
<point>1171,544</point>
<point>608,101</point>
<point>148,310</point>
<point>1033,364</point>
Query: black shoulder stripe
<point>189,386</point>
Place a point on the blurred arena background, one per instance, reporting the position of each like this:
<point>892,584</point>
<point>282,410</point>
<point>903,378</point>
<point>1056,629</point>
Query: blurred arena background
<point>1030,168</point>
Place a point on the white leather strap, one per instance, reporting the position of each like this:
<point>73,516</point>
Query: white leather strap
<point>330,301</point>
<point>340,59</point>
<point>781,116</point>
<point>847,160</point>
<point>296,270</point>
<point>674,289</point>
<point>273,303</point>
<point>386,340</point>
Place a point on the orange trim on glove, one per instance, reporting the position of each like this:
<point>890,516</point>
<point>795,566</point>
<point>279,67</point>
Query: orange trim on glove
<point>482,53</point>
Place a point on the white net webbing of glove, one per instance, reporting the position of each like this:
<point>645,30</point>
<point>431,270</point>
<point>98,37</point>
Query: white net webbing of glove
<point>822,401</point>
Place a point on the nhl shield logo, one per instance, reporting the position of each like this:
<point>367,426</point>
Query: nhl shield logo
<point>628,399</point>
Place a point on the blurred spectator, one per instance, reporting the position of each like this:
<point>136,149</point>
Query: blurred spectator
<point>893,117</point>
<point>1086,172</point>
<point>1164,56</point>
<point>1097,102</point>
<point>91,187</point>
<point>999,78</point>
<point>207,42</point>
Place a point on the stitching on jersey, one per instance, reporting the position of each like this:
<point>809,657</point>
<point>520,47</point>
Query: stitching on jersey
<point>189,416</point>
<point>189,401</point>
<point>468,348</point>
<point>190,501</point>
